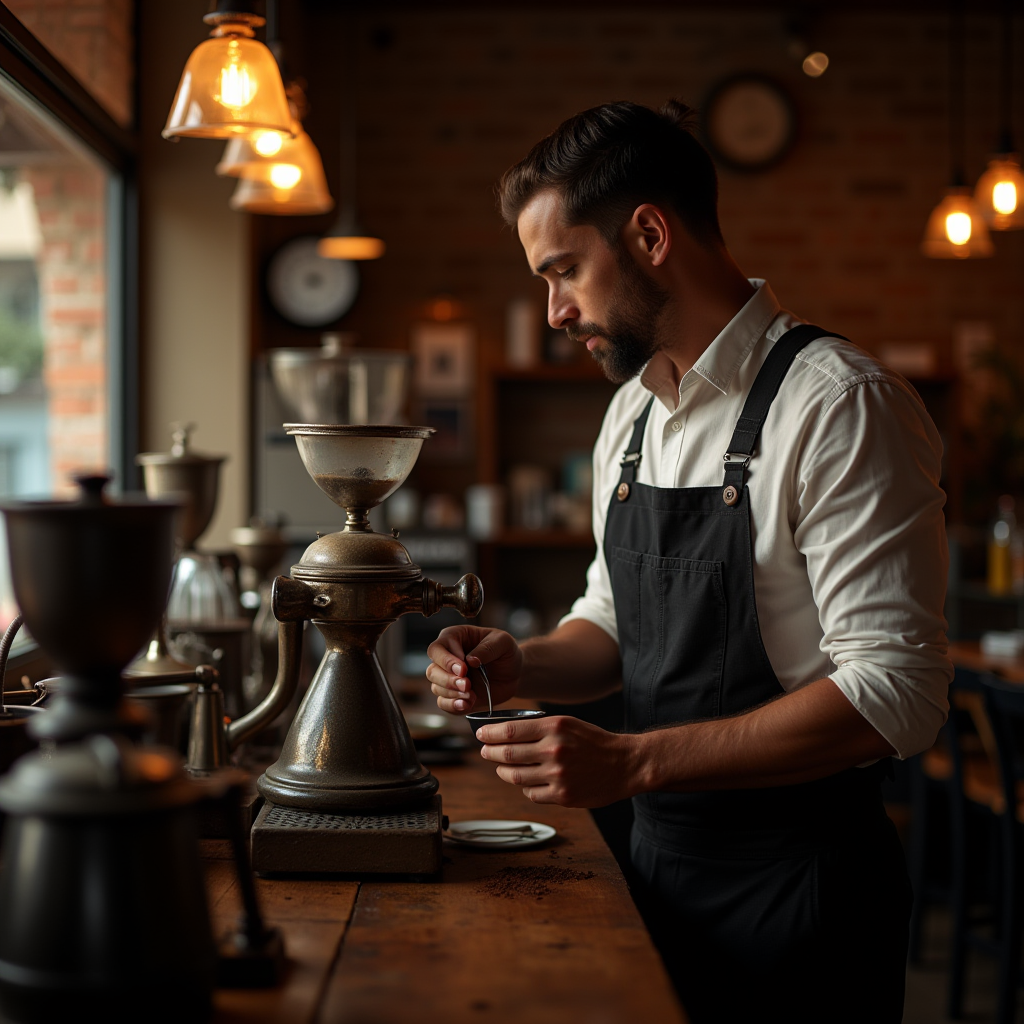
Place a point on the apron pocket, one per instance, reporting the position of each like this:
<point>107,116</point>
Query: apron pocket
<point>672,669</point>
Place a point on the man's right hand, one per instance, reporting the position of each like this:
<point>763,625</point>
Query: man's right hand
<point>461,648</point>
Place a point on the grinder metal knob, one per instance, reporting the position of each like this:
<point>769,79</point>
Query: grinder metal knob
<point>466,597</point>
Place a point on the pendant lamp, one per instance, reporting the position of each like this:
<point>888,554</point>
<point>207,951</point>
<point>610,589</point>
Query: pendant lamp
<point>1000,190</point>
<point>231,84</point>
<point>347,240</point>
<point>291,185</point>
<point>290,167</point>
<point>956,228</point>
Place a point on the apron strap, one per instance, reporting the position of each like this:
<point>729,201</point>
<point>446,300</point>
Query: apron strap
<point>762,393</point>
<point>632,456</point>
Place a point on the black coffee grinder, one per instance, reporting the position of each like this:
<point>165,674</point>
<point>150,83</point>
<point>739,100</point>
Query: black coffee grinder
<point>102,898</point>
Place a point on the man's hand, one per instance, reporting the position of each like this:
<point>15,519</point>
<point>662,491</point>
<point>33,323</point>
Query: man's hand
<point>564,761</point>
<point>459,648</point>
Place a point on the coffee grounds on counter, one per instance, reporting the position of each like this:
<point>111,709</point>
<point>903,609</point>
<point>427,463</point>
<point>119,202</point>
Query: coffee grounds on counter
<point>514,883</point>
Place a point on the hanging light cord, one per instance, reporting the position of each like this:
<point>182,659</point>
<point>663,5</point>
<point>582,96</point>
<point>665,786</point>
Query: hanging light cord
<point>1006,82</point>
<point>957,127</point>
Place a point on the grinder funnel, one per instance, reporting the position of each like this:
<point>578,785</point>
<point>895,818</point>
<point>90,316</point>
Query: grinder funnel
<point>358,466</point>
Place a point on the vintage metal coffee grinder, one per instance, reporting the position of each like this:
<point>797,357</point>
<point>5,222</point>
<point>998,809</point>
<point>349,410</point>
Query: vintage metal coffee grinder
<point>348,792</point>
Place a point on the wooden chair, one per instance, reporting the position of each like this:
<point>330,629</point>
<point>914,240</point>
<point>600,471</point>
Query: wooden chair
<point>975,798</point>
<point>953,786</point>
<point>1004,703</point>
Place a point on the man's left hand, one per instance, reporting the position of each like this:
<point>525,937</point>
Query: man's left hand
<point>563,760</point>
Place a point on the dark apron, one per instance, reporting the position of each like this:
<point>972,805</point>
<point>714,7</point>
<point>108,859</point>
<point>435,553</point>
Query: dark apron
<point>780,904</point>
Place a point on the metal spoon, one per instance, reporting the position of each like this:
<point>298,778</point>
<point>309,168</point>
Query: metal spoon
<point>487,686</point>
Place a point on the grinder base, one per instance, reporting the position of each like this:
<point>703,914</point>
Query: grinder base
<point>289,840</point>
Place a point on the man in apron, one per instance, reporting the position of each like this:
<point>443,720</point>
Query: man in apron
<point>767,591</point>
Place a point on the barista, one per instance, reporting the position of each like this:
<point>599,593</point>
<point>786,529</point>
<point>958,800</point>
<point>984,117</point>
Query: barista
<point>774,617</point>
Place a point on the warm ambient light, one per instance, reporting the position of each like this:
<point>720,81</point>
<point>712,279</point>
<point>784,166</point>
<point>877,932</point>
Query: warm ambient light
<point>815,64</point>
<point>267,143</point>
<point>238,86</point>
<point>999,192</point>
<point>231,84</point>
<point>290,182</point>
<point>297,188</point>
<point>1004,197</point>
<point>956,229</point>
<point>288,176</point>
<point>350,247</point>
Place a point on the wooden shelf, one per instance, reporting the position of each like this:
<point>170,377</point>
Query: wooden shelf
<point>543,539</point>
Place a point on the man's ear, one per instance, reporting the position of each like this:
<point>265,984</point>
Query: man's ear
<point>649,234</point>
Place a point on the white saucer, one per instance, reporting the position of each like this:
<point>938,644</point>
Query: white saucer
<point>489,833</point>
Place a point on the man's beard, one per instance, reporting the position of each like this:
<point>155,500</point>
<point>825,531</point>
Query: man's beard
<point>630,332</point>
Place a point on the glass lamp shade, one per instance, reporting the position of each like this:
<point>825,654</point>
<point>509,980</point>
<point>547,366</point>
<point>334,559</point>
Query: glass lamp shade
<point>275,159</point>
<point>231,85</point>
<point>1000,193</point>
<point>956,229</point>
<point>291,189</point>
<point>348,241</point>
<point>351,247</point>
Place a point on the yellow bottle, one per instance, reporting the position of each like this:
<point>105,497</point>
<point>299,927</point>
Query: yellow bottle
<point>1000,554</point>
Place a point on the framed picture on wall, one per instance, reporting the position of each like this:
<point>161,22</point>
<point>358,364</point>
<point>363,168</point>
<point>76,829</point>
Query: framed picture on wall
<point>444,359</point>
<point>452,419</point>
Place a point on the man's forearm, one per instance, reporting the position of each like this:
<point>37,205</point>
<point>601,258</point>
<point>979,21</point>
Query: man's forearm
<point>805,735</point>
<point>578,662</point>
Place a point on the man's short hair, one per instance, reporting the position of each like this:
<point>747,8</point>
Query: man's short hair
<point>607,161</point>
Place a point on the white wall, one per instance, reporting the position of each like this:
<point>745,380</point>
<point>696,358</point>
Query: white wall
<point>194,270</point>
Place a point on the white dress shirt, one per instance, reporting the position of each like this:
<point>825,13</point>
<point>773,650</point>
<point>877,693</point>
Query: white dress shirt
<point>849,538</point>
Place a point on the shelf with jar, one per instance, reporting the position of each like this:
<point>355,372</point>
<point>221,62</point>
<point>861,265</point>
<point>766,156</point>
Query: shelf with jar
<point>540,403</point>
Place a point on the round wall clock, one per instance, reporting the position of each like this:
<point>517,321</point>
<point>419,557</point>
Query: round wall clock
<point>750,122</point>
<point>307,289</point>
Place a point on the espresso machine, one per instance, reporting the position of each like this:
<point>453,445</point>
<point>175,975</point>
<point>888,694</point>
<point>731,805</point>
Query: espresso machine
<point>348,793</point>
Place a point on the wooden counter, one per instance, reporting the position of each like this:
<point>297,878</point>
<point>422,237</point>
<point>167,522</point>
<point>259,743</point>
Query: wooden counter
<point>965,654</point>
<point>542,936</point>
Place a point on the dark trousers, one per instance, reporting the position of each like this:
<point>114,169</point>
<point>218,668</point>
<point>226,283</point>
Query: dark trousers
<point>776,928</point>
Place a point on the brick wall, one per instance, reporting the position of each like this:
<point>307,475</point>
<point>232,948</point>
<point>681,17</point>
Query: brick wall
<point>93,39</point>
<point>72,284</point>
<point>449,99</point>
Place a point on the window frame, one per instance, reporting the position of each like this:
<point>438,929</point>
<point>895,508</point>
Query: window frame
<point>31,70</point>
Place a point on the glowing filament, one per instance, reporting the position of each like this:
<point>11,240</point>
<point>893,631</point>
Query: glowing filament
<point>1004,197</point>
<point>958,228</point>
<point>237,85</point>
<point>285,176</point>
<point>267,143</point>
<point>815,64</point>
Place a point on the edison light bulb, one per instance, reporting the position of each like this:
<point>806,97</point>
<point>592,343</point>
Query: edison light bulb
<point>1004,197</point>
<point>958,228</point>
<point>815,64</point>
<point>267,143</point>
<point>285,176</point>
<point>237,85</point>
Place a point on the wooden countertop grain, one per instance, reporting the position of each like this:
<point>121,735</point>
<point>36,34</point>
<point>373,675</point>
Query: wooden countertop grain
<point>545,935</point>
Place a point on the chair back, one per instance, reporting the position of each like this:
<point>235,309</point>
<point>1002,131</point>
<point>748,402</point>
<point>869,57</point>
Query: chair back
<point>1004,703</point>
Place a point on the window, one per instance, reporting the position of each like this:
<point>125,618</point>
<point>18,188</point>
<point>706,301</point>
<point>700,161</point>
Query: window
<point>64,364</point>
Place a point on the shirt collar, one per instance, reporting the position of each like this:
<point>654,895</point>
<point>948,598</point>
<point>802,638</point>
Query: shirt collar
<point>724,356</point>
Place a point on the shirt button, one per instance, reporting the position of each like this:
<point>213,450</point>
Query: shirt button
<point>676,425</point>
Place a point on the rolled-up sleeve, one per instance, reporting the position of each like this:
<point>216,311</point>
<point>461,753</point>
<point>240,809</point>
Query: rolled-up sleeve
<point>869,521</point>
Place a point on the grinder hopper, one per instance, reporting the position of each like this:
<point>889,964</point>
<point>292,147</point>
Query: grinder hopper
<point>348,754</point>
